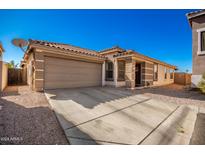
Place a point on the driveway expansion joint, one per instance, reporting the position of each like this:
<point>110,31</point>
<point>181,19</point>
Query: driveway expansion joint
<point>108,114</point>
<point>158,125</point>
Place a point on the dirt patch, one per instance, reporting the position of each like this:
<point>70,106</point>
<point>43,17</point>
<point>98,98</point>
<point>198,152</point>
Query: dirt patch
<point>27,118</point>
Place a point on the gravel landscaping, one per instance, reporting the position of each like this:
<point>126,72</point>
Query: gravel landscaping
<point>175,94</point>
<point>26,118</point>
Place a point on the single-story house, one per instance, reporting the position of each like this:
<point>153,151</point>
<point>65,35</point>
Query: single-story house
<point>197,23</point>
<point>53,65</point>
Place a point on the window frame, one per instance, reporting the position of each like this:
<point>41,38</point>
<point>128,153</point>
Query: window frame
<point>200,51</point>
<point>155,72</point>
<point>201,44</point>
<point>120,70</point>
<point>172,74</point>
<point>165,73</point>
<point>107,70</point>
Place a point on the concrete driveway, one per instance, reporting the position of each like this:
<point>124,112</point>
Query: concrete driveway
<point>117,116</point>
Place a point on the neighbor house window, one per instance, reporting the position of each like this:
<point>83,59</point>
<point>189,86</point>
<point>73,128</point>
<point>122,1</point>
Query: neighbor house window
<point>201,41</point>
<point>121,70</point>
<point>109,71</point>
<point>165,73</point>
<point>155,72</point>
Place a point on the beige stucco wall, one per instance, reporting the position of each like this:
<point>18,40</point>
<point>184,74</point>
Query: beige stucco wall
<point>198,62</point>
<point>3,75</point>
<point>118,84</point>
<point>146,75</point>
<point>36,79</point>
<point>130,73</point>
<point>161,76</point>
<point>121,84</point>
<point>29,70</point>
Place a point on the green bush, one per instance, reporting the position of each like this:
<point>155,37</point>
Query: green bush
<point>201,84</point>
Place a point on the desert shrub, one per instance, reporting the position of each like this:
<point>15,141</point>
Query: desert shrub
<point>201,84</point>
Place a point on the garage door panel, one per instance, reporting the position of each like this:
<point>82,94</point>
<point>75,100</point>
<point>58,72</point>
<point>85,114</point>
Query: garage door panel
<point>83,70</point>
<point>62,73</point>
<point>50,80</point>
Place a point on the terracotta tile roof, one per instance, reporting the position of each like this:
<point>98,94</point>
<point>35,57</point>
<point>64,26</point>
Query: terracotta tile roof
<point>1,48</point>
<point>83,51</point>
<point>132,53</point>
<point>67,47</point>
<point>112,48</point>
<point>128,52</point>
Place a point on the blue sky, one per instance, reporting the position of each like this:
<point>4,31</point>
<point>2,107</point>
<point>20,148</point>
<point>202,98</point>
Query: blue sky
<point>161,34</point>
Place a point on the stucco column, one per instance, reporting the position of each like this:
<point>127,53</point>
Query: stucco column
<point>103,74</point>
<point>115,72</point>
<point>130,73</point>
<point>147,74</point>
<point>39,72</point>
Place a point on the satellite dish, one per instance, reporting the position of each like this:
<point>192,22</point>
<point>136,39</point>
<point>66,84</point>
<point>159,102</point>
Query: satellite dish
<point>21,43</point>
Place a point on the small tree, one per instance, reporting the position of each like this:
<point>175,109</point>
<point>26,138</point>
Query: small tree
<point>12,64</point>
<point>201,84</point>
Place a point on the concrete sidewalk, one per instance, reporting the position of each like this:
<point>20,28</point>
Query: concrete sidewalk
<point>115,116</point>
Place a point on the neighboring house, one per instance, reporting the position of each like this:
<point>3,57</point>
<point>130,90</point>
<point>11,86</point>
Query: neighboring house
<point>1,51</point>
<point>53,65</point>
<point>3,71</point>
<point>197,22</point>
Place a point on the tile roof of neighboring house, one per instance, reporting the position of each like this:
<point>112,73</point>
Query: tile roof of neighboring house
<point>1,48</point>
<point>67,47</point>
<point>195,14</point>
<point>131,52</point>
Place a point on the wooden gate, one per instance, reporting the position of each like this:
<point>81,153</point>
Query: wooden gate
<point>182,78</point>
<point>16,76</point>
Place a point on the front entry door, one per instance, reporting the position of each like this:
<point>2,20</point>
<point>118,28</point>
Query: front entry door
<point>138,75</point>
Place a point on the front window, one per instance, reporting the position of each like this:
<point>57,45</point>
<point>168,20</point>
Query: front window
<point>172,74</point>
<point>203,41</point>
<point>165,73</point>
<point>155,72</point>
<point>109,71</point>
<point>121,70</point>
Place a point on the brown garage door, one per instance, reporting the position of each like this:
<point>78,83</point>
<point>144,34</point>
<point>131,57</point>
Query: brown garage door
<point>63,73</point>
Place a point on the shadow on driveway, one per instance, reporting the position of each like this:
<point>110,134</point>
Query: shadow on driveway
<point>90,97</point>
